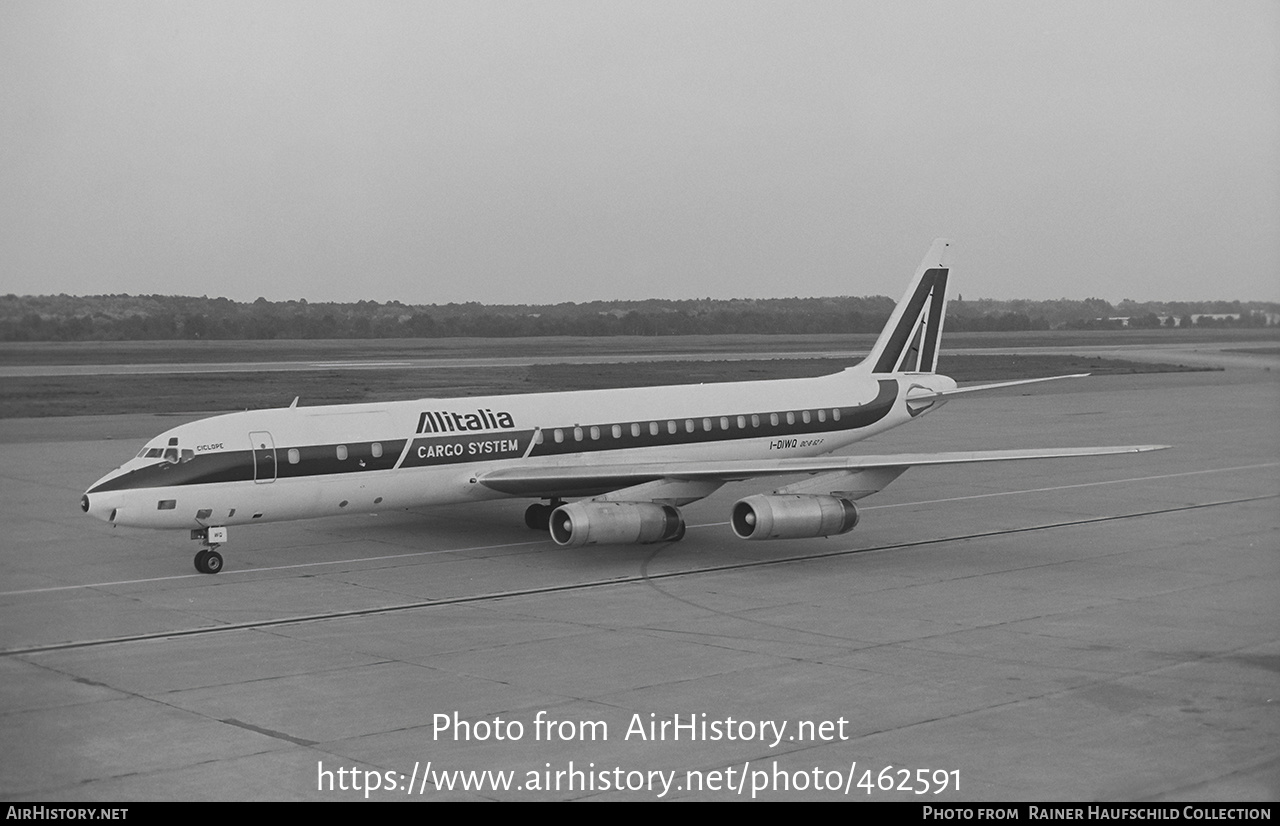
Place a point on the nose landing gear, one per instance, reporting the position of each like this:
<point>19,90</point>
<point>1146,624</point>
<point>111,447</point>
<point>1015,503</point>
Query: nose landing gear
<point>208,560</point>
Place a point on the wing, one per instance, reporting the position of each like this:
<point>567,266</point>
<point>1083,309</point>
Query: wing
<point>866,474</point>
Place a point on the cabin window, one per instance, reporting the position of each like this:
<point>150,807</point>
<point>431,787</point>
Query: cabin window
<point>755,420</point>
<point>653,428</point>
<point>822,415</point>
<point>617,431</point>
<point>559,435</point>
<point>595,432</point>
<point>706,424</point>
<point>577,434</point>
<point>166,504</point>
<point>805,416</point>
<point>538,438</point>
<point>671,427</point>
<point>635,430</point>
<point>376,449</point>
<point>294,456</point>
<point>835,413</point>
<point>724,423</point>
<point>342,453</point>
<point>204,513</point>
<point>773,419</point>
<point>791,417</point>
<point>688,425</point>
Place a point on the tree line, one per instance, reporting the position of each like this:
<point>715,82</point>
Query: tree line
<point>158,317</point>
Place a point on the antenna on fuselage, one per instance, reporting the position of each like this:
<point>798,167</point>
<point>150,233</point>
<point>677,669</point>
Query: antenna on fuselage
<point>294,403</point>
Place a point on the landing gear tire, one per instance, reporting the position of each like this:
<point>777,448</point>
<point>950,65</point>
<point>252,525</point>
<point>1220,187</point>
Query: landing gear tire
<point>208,562</point>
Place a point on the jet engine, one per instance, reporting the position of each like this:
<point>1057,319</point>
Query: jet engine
<point>615,523</point>
<point>792,516</point>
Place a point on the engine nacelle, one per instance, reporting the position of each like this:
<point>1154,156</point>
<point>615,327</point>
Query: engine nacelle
<point>792,516</point>
<point>615,523</point>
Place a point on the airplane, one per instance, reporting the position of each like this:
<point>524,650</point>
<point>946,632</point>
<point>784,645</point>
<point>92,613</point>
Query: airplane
<point>630,458</point>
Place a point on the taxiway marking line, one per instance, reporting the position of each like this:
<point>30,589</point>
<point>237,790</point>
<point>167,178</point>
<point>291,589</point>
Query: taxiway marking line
<point>358,364</point>
<point>541,541</point>
<point>1070,487</point>
<point>274,568</point>
<point>603,583</point>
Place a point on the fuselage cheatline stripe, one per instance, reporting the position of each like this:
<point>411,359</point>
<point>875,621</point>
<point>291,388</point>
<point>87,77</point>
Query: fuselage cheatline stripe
<point>453,448</point>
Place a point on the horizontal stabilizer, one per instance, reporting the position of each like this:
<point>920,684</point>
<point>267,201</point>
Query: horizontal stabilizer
<point>919,393</point>
<point>593,480</point>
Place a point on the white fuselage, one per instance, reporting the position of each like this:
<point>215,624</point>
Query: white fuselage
<point>297,463</point>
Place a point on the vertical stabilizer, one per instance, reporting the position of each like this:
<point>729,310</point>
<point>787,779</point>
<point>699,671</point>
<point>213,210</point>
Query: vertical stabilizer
<point>909,342</point>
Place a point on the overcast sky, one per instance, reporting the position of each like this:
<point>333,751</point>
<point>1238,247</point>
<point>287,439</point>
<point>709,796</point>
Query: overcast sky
<point>569,151</point>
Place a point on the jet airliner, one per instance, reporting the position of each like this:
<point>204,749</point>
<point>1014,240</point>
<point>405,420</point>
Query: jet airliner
<point>629,459</point>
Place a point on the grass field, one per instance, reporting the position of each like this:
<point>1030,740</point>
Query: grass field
<point>221,391</point>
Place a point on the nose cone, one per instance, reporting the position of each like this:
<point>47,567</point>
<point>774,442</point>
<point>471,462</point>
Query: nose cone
<point>100,501</point>
<point>96,505</point>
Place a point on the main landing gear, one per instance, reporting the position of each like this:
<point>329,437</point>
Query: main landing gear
<point>208,560</point>
<point>538,515</point>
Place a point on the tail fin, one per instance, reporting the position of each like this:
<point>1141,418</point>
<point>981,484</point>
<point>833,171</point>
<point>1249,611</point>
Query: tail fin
<point>909,342</point>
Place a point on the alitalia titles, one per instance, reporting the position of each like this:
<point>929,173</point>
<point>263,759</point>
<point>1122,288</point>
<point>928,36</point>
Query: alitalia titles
<point>448,421</point>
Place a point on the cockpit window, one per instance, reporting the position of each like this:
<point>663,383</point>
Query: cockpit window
<point>171,454</point>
